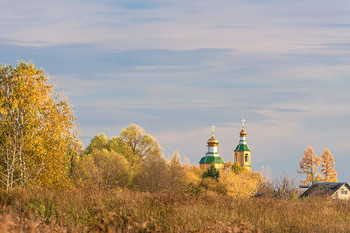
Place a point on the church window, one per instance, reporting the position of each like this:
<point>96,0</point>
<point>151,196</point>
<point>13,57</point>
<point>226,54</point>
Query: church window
<point>246,158</point>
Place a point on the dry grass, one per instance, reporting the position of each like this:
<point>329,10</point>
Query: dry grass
<point>79,210</point>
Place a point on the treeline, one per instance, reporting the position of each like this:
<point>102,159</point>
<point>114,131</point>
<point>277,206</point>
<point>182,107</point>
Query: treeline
<point>134,161</point>
<point>39,146</point>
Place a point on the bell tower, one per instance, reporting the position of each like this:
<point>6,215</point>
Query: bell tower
<point>242,151</point>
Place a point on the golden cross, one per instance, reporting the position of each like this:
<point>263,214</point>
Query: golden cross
<point>243,123</point>
<point>213,130</point>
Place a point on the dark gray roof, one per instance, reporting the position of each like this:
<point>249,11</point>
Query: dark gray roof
<point>324,188</point>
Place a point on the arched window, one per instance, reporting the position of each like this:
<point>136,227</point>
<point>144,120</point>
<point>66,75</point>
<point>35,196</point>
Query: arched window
<point>246,158</point>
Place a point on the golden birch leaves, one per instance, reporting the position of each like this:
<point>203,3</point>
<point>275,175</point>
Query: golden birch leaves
<point>38,126</point>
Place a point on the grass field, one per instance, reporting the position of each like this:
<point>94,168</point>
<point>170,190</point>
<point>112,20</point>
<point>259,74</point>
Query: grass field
<point>89,210</point>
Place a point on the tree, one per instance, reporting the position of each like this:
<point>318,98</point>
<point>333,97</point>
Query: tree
<point>284,187</point>
<point>309,165</point>
<point>177,174</point>
<point>118,145</point>
<point>102,169</point>
<point>98,142</point>
<point>238,185</point>
<point>327,163</point>
<point>212,172</point>
<point>153,175</point>
<point>140,144</point>
<point>75,152</point>
<point>236,167</point>
<point>193,177</point>
<point>37,126</point>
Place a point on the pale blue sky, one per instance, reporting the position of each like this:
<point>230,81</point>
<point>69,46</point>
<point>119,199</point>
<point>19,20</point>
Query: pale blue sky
<point>177,67</point>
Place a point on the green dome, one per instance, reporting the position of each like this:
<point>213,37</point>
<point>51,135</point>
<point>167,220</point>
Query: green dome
<point>242,147</point>
<point>212,159</point>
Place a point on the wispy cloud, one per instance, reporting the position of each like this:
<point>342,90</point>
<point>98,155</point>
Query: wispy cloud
<point>177,67</point>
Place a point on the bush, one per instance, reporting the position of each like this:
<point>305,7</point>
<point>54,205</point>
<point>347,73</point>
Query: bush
<point>239,185</point>
<point>102,169</point>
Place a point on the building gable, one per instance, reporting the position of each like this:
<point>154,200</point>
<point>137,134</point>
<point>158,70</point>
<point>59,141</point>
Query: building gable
<point>343,192</point>
<point>339,190</point>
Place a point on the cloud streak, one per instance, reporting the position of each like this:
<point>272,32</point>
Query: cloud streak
<point>175,68</point>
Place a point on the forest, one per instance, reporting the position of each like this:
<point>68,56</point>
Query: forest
<point>50,182</point>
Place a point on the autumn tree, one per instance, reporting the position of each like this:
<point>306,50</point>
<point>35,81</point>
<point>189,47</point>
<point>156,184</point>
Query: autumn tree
<point>177,173</point>
<point>193,177</point>
<point>98,142</point>
<point>238,185</point>
<point>103,170</point>
<point>237,168</point>
<point>132,143</point>
<point>327,167</point>
<point>309,165</point>
<point>75,153</point>
<point>153,175</point>
<point>284,187</point>
<point>139,143</point>
<point>37,127</point>
<point>139,154</point>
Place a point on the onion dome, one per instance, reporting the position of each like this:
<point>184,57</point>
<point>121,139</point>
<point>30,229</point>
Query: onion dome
<point>212,141</point>
<point>243,133</point>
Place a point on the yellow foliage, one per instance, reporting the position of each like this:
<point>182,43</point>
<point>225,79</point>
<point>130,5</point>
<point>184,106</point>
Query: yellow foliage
<point>102,169</point>
<point>309,165</point>
<point>327,162</point>
<point>241,185</point>
<point>37,127</point>
<point>193,174</point>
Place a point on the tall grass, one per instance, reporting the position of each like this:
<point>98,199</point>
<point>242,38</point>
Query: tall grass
<point>83,210</point>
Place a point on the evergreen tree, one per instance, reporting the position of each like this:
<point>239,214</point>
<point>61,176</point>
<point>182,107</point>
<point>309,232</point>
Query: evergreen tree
<point>237,168</point>
<point>212,172</point>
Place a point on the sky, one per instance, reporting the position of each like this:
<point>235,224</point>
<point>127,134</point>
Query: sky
<point>175,68</point>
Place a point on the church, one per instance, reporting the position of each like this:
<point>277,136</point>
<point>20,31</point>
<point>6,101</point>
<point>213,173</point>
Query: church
<point>241,153</point>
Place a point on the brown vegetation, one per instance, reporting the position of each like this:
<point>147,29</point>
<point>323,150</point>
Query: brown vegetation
<point>121,210</point>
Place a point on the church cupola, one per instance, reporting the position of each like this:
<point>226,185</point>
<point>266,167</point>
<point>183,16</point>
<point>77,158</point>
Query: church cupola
<point>212,142</point>
<point>242,151</point>
<point>242,134</point>
<point>212,156</point>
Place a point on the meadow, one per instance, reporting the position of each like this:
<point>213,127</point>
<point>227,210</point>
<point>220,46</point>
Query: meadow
<point>121,210</point>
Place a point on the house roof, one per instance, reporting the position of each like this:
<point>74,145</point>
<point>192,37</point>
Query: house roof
<point>324,188</point>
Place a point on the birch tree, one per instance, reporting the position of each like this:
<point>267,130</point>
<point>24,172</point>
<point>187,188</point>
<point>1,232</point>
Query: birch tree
<point>37,126</point>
